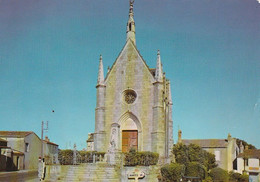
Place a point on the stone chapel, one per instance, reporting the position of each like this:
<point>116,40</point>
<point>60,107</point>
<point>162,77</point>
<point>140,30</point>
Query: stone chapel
<point>134,103</point>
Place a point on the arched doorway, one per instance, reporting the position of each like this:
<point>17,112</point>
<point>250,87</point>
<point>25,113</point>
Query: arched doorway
<point>130,133</point>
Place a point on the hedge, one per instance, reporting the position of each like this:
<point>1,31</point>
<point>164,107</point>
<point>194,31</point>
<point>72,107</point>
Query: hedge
<point>133,158</point>
<point>87,156</point>
<point>66,156</point>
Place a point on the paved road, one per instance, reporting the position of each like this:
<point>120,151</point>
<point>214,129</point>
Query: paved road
<point>21,176</point>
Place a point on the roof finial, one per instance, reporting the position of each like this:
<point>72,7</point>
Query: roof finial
<point>130,30</point>
<point>131,2</point>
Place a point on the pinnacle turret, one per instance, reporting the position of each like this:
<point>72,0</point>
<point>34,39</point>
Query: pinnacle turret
<point>159,71</point>
<point>100,72</point>
<point>170,94</point>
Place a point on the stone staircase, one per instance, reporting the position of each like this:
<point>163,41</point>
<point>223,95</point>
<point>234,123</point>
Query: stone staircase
<point>84,172</point>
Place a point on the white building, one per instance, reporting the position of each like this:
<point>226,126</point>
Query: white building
<point>24,149</point>
<point>225,150</point>
<point>24,142</point>
<point>90,142</point>
<point>249,162</point>
<point>50,151</point>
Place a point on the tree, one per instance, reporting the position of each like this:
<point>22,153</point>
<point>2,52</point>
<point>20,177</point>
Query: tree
<point>193,153</point>
<point>191,160</point>
<point>250,146</point>
<point>180,152</point>
<point>195,169</point>
<point>210,161</point>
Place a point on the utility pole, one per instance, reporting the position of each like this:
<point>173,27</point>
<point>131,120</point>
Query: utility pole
<point>43,129</point>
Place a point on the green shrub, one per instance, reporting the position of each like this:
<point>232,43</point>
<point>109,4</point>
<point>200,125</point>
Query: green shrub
<point>195,169</point>
<point>244,178</point>
<point>172,172</point>
<point>207,179</point>
<point>237,177</point>
<point>148,158</point>
<point>233,176</point>
<point>133,158</point>
<point>218,174</point>
<point>86,156</point>
<point>66,156</point>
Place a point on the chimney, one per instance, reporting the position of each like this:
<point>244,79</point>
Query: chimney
<point>179,136</point>
<point>47,139</point>
<point>241,147</point>
<point>246,147</point>
<point>229,137</point>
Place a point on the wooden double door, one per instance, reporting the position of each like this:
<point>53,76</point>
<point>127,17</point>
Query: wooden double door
<point>129,140</point>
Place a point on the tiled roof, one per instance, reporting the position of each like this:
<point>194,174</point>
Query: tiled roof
<point>16,152</point>
<point>250,153</point>
<point>2,140</point>
<point>207,143</point>
<point>18,134</point>
<point>48,142</point>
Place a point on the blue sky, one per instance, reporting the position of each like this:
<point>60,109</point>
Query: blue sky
<point>49,53</point>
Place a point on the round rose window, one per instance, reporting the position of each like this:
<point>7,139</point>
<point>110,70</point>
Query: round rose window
<point>130,96</point>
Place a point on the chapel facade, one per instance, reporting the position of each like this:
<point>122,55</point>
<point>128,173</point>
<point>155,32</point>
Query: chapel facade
<point>134,103</point>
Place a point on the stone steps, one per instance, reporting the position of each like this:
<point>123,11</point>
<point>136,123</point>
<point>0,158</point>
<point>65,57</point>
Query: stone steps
<point>98,173</point>
<point>84,172</point>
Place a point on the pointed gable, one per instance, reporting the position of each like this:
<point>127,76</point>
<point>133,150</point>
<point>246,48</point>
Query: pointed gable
<point>129,54</point>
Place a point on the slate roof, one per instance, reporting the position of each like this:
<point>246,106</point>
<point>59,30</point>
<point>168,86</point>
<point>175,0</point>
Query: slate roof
<point>250,153</point>
<point>207,143</point>
<point>16,134</point>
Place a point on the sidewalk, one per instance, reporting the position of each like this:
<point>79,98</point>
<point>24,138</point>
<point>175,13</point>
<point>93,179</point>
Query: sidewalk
<point>22,175</point>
